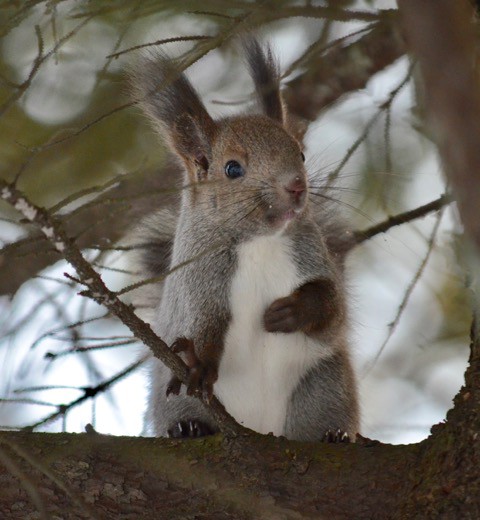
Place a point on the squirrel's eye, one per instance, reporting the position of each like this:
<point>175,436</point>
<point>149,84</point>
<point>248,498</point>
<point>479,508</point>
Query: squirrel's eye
<point>233,169</point>
<point>303,156</point>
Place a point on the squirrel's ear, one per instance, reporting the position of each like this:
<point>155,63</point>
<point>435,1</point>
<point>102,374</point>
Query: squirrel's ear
<point>265,73</point>
<point>297,127</point>
<point>175,109</point>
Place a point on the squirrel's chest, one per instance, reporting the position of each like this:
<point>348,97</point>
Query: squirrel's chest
<point>259,370</point>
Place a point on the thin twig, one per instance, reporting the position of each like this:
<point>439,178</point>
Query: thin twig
<point>35,402</point>
<point>319,47</point>
<point>89,392</point>
<point>334,14</point>
<point>39,60</point>
<point>393,325</point>
<point>386,105</point>
<point>90,348</point>
<point>70,326</point>
<point>160,42</point>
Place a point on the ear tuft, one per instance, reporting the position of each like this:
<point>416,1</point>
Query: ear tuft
<point>265,73</point>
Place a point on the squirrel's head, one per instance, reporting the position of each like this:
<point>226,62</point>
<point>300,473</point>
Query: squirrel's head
<point>250,166</point>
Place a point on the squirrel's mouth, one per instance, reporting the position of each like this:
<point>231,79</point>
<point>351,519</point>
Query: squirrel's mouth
<point>282,217</point>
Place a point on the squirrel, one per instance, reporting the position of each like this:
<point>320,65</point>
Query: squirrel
<point>254,299</point>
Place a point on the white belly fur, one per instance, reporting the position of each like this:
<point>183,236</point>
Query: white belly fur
<point>259,370</point>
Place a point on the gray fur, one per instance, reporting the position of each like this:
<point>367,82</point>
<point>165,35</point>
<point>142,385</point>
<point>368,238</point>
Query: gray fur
<point>323,401</point>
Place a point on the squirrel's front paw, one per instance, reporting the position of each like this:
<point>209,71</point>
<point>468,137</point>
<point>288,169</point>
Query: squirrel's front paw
<point>283,315</point>
<point>189,429</point>
<point>201,376</point>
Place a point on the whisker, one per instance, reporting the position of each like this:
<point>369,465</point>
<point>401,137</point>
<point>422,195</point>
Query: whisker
<point>342,203</point>
<point>253,203</point>
<point>389,174</point>
<point>317,170</point>
<point>353,191</point>
<point>252,197</point>
<point>338,188</point>
<point>249,213</point>
<point>242,191</point>
<point>261,181</point>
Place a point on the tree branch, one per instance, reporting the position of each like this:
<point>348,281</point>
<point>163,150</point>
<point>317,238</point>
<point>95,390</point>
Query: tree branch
<point>249,477</point>
<point>392,326</point>
<point>88,393</point>
<point>75,497</point>
<point>130,200</point>
<point>401,218</point>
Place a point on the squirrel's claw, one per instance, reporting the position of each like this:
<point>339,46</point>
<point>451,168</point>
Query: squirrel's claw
<point>173,386</point>
<point>201,379</point>
<point>336,436</point>
<point>189,429</point>
<point>183,345</point>
<point>201,376</point>
<point>283,316</point>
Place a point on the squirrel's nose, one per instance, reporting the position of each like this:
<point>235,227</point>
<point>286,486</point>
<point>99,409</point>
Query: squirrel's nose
<point>296,189</point>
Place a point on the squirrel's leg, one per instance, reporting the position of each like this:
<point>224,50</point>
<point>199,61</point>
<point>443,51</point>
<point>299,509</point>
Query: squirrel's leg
<point>202,376</point>
<point>202,372</point>
<point>324,406</point>
<point>312,308</point>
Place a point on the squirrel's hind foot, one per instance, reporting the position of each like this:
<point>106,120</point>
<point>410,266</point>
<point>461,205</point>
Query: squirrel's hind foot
<point>189,430</point>
<point>336,436</point>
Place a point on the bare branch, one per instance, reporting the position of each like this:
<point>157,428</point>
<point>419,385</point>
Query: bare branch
<point>159,42</point>
<point>402,218</point>
<point>39,60</point>
<point>333,14</point>
<point>88,224</point>
<point>386,105</point>
<point>101,346</point>
<point>88,393</point>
